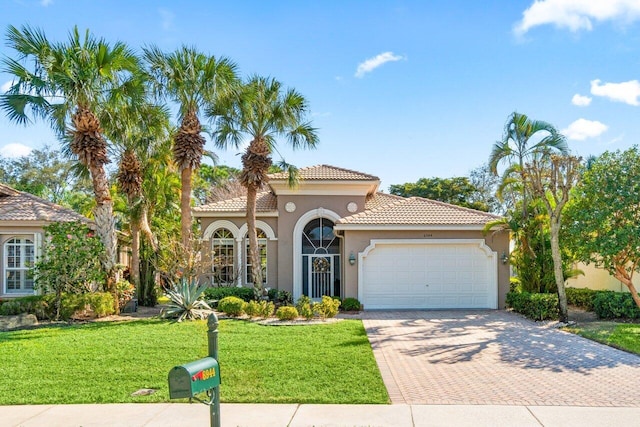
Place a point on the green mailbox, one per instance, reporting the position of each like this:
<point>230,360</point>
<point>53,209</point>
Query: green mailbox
<point>192,378</point>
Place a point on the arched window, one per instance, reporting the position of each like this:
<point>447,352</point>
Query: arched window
<point>19,256</point>
<point>222,257</point>
<point>320,259</point>
<point>262,248</point>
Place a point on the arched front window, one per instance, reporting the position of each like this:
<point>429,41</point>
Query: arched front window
<point>223,257</point>
<point>320,259</point>
<point>262,248</point>
<point>18,260</point>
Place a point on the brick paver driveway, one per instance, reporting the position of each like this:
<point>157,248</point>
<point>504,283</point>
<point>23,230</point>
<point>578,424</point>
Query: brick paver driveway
<point>495,357</point>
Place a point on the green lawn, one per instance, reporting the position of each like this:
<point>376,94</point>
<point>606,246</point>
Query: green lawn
<point>105,362</point>
<point>620,335</point>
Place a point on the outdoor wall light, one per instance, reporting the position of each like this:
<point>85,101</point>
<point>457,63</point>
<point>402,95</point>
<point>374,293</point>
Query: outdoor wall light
<point>504,257</point>
<point>352,258</point>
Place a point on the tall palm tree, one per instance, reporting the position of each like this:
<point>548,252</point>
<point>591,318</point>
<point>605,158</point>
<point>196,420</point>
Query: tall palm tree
<point>515,148</point>
<point>192,80</point>
<point>264,111</point>
<point>140,132</point>
<point>69,84</point>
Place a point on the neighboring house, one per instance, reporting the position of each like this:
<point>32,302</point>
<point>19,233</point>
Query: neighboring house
<point>599,279</point>
<point>22,218</point>
<point>336,234</point>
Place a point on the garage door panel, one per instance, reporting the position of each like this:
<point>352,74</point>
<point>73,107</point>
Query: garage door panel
<point>458,276</point>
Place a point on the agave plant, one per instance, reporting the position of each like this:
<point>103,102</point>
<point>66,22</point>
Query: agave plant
<point>185,301</point>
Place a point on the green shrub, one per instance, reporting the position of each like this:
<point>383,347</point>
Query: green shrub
<point>267,308</point>
<point>614,305</point>
<point>259,309</point>
<point>534,306</point>
<point>287,313</point>
<point>304,307</point>
<point>326,309</point>
<point>232,306</point>
<point>11,308</point>
<point>350,304</point>
<point>581,297</point>
<point>280,297</point>
<point>216,294</point>
<point>101,303</point>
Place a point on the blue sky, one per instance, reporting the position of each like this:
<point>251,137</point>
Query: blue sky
<point>399,89</point>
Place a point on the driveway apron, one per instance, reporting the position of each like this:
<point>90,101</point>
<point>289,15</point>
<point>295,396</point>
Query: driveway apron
<point>495,358</point>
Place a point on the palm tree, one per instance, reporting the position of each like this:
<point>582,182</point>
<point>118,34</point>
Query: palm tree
<point>262,110</point>
<point>192,80</point>
<point>69,84</point>
<point>515,149</point>
<point>140,131</point>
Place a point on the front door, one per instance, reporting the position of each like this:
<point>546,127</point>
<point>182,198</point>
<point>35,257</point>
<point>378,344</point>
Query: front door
<point>320,260</point>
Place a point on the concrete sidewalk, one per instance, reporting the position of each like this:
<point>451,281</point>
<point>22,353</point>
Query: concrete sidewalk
<point>267,415</point>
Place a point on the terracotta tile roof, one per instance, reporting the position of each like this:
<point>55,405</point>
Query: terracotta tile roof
<point>265,202</point>
<point>419,211</point>
<point>327,173</point>
<point>19,206</point>
<point>379,200</point>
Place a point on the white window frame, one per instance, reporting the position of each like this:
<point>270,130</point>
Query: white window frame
<point>262,242</point>
<point>226,242</point>
<point>23,268</point>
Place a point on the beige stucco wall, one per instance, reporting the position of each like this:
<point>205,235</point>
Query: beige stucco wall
<point>288,220</point>
<point>357,241</point>
<point>599,279</point>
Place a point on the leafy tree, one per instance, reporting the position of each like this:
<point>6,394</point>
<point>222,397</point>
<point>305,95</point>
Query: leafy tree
<point>44,173</point>
<point>604,217</point>
<point>264,111</point>
<point>212,180</point>
<point>458,191</point>
<point>69,84</point>
<point>70,260</point>
<point>193,81</point>
<point>486,184</point>
<point>551,180</point>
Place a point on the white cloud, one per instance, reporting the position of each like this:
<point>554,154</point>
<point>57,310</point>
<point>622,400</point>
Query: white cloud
<point>372,63</point>
<point>576,15</point>
<point>167,18</point>
<point>582,129</point>
<point>580,100</point>
<point>15,150</point>
<point>46,3</point>
<point>627,92</point>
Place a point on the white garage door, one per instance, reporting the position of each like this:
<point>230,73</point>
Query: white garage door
<point>433,274</point>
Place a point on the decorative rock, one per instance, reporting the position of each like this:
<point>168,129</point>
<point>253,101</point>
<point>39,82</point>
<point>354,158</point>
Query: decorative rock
<point>19,321</point>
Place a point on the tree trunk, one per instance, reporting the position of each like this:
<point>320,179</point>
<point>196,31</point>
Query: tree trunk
<point>627,279</point>
<point>254,252</point>
<point>557,269</point>
<point>185,207</point>
<point>135,254</point>
<point>145,228</point>
<point>106,228</point>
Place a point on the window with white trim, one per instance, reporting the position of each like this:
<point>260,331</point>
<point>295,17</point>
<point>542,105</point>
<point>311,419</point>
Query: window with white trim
<point>223,257</point>
<point>262,249</point>
<point>19,257</point>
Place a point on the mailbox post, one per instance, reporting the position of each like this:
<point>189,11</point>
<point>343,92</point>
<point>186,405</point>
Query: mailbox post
<point>202,375</point>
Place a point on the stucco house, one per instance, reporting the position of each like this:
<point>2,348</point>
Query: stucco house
<point>336,234</point>
<point>22,218</point>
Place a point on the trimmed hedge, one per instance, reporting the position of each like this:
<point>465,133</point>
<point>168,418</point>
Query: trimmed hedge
<point>534,306</point>
<point>350,304</point>
<point>581,297</point>
<point>99,304</point>
<point>245,294</point>
<point>615,305</point>
<point>232,306</point>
